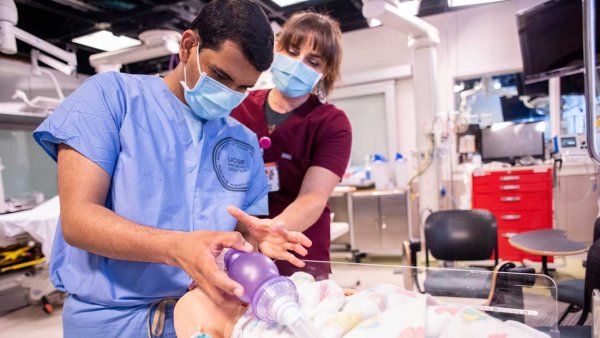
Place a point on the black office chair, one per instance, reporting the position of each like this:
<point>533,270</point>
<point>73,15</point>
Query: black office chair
<point>459,235</point>
<point>592,281</point>
<point>574,291</point>
<point>469,235</point>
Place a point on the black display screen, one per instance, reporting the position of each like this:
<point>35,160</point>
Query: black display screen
<point>514,110</point>
<point>551,38</point>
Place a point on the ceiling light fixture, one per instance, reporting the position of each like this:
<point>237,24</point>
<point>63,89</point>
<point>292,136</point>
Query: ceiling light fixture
<point>459,3</point>
<point>373,22</point>
<point>106,41</point>
<point>284,3</point>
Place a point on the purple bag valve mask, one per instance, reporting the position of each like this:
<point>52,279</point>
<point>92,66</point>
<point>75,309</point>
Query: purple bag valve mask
<point>273,298</point>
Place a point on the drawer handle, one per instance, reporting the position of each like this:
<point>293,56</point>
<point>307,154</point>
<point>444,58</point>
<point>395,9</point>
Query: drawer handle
<point>510,178</point>
<point>509,234</point>
<point>510,198</point>
<point>513,217</point>
<point>510,187</point>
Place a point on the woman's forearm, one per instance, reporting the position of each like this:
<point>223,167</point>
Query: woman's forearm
<point>303,212</point>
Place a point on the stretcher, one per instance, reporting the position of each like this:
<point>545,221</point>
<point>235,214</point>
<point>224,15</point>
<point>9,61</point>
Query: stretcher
<point>27,238</point>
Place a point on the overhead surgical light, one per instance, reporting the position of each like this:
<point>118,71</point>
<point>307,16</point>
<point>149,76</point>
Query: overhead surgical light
<point>284,3</point>
<point>106,41</point>
<point>401,16</point>
<point>407,7</point>
<point>9,34</point>
<point>459,3</point>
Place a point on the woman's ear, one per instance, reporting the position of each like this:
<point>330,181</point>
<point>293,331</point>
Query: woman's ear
<point>189,39</point>
<point>320,91</point>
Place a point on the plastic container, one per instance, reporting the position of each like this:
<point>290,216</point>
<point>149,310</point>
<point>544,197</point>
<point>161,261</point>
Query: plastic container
<point>381,172</point>
<point>272,298</point>
<point>401,171</point>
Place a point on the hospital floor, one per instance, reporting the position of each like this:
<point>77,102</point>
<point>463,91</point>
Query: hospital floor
<point>32,322</point>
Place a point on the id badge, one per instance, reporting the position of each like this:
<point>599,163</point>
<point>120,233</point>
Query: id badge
<point>272,176</point>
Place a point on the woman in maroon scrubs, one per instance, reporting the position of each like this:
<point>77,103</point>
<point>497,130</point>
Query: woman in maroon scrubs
<point>311,139</point>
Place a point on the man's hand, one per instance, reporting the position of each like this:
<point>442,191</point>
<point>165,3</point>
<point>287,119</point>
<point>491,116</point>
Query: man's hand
<point>196,252</point>
<point>274,240</point>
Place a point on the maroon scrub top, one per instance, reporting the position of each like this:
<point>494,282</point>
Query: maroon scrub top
<point>317,134</point>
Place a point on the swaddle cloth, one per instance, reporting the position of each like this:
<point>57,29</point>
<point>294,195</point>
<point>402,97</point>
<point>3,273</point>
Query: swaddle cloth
<point>382,311</point>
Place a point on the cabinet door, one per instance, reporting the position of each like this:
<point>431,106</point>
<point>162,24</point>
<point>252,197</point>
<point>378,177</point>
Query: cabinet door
<point>380,224</point>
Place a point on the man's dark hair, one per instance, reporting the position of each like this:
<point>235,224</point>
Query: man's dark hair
<point>240,21</point>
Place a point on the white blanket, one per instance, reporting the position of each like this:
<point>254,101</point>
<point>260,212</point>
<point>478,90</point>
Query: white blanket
<point>383,311</point>
<point>39,222</point>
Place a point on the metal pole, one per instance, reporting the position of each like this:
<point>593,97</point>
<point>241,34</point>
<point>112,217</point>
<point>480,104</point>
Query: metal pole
<point>589,60</point>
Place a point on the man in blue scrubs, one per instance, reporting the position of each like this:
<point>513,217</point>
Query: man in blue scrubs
<point>146,170</point>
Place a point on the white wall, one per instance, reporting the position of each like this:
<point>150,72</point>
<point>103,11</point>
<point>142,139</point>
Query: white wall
<point>378,48</point>
<point>373,48</point>
<point>475,41</point>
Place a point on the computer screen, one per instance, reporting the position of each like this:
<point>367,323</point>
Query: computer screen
<point>511,141</point>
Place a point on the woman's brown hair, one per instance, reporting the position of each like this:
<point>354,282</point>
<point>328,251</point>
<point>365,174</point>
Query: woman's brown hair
<point>326,37</point>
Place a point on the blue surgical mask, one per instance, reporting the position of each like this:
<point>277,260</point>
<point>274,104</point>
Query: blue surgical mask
<point>293,78</point>
<point>210,99</point>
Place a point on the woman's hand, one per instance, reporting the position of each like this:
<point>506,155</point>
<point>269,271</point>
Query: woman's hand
<point>273,239</point>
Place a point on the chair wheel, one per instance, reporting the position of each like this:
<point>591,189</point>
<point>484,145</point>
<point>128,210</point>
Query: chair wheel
<point>358,256</point>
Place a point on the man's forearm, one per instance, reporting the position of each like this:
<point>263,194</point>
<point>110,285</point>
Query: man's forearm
<point>303,212</point>
<point>96,229</point>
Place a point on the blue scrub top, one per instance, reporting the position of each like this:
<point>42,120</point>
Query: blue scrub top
<point>133,127</point>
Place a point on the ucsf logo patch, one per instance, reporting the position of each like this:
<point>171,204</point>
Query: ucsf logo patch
<point>233,160</point>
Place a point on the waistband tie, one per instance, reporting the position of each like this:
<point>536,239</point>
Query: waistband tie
<point>156,326</point>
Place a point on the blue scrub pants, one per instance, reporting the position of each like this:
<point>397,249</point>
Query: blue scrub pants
<point>81,319</point>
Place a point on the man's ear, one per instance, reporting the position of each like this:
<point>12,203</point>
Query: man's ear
<point>189,39</point>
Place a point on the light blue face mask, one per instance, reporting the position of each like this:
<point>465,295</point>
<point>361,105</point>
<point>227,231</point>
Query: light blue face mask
<point>210,99</point>
<point>293,78</point>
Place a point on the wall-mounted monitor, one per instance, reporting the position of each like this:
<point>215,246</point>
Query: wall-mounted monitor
<point>551,38</point>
